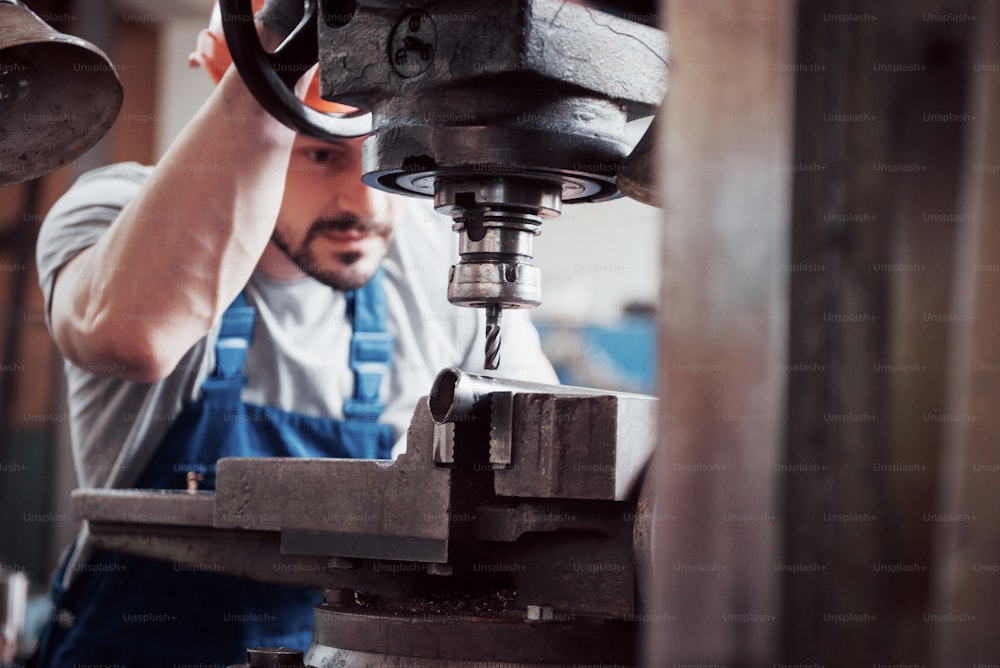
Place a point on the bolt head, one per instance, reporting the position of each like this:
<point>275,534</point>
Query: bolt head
<point>538,613</point>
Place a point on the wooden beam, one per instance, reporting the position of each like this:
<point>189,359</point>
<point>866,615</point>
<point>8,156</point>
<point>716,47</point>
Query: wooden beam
<point>727,190</point>
<point>966,608</point>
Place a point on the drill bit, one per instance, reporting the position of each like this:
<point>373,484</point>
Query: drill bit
<point>493,312</point>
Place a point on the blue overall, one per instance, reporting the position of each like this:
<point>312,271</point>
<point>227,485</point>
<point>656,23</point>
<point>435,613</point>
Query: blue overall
<point>139,613</point>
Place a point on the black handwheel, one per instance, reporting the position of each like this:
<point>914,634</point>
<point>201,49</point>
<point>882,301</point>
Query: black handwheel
<point>271,77</point>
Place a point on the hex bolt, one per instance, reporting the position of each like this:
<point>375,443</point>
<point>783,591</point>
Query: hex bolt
<point>538,613</point>
<point>341,596</point>
<point>439,569</point>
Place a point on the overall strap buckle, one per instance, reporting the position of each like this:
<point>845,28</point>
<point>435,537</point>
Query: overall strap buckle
<point>371,350</point>
<point>371,357</point>
<point>235,334</point>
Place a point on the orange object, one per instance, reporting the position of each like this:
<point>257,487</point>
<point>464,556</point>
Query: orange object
<point>212,53</point>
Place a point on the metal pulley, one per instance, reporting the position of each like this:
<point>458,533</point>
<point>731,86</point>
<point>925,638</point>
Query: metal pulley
<point>58,95</point>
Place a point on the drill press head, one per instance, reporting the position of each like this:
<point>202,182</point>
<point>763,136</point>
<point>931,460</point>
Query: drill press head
<point>501,117</point>
<point>501,112</point>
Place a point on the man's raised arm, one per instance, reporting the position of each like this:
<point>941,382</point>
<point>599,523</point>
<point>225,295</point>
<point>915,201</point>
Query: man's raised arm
<point>148,289</point>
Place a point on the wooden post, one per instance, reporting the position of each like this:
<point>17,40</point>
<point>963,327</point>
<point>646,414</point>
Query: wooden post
<point>883,118</point>
<point>813,157</point>
<point>727,191</point>
<point>966,605</point>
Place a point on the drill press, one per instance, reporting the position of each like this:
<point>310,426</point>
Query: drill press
<point>515,530</point>
<point>501,112</point>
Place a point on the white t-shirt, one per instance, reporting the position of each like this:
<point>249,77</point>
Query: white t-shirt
<point>298,360</point>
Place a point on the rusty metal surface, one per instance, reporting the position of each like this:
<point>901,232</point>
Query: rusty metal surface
<point>569,455</point>
<point>139,506</point>
<point>462,43</point>
<point>328,657</point>
<point>71,96</point>
<point>255,555</point>
<point>472,639</point>
<point>580,448</point>
<point>348,508</point>
<point>536,88</point>
<point>345,508</point>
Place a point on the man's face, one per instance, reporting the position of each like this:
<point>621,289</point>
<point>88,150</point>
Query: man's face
<point>331,225</point>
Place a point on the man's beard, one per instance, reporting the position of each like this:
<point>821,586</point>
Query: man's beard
<point>352,273</point>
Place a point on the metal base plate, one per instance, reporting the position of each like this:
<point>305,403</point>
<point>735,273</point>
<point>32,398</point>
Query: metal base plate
<point>348,638</point>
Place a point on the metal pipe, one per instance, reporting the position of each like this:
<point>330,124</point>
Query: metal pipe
<point>456,394</point>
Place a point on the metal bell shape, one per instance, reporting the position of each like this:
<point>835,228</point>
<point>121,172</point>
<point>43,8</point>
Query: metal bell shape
<point>58,95</point>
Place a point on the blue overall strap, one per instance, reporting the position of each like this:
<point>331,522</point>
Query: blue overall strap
<point>227,380</point>
<point>371,349</point>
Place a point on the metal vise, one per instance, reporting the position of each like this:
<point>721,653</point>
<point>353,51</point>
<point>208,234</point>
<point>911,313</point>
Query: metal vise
<point>509,532</point>
<point>500,111</point>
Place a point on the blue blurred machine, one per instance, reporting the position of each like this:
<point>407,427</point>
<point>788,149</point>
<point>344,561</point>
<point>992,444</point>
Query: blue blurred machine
<point>621,356</point>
